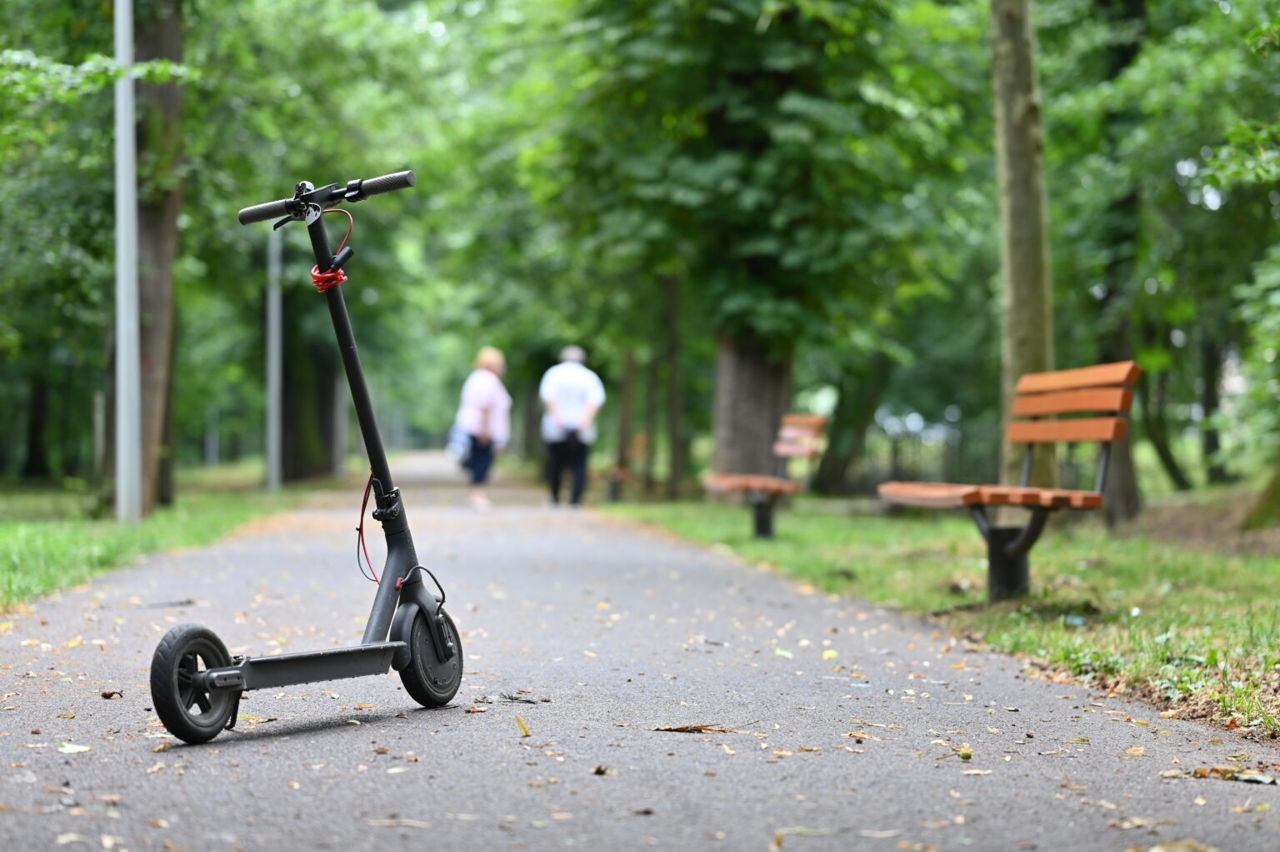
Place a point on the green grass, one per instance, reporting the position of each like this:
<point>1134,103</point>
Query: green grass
<point>1173,623</point>
<point>47,543</point>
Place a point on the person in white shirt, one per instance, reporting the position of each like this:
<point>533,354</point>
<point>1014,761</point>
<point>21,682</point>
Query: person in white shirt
<point>571,395</point>
<point>485,416</point>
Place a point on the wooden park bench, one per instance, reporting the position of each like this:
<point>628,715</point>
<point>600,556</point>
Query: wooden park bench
<point>1067,406</point>
<point>623,472</point>
<point>799,436</point>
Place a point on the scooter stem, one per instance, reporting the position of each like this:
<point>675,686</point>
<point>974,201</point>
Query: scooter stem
<point>401,557</point>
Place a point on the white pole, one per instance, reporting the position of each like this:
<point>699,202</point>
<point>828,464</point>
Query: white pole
<point>275,361</point>
<point>128,359</point>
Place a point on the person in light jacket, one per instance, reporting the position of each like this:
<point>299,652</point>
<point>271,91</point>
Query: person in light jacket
<point>571,395</point>
<point>485,416</point>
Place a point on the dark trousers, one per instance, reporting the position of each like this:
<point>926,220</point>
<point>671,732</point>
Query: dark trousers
<point>479,460</point>
<point>568,455</point>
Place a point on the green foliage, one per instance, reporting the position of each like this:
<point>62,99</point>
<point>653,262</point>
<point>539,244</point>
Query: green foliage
<point>753,152</point>
<point>1259,420</point>
<point>815,175</point>
<point>1252,152</point>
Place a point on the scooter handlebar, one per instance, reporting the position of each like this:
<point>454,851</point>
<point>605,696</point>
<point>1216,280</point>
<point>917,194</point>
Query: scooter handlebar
<point>355,190</point>
<point>263,212</point>
<point>388,183</point>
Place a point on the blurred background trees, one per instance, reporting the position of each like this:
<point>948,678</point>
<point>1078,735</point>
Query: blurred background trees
<point>737,207</point>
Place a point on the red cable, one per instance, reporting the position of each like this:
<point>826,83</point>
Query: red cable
<point>334,277</point>
<point>364,504</point>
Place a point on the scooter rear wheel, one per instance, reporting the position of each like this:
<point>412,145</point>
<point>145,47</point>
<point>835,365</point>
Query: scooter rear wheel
<point>188,710</point>
<point>428,681</point>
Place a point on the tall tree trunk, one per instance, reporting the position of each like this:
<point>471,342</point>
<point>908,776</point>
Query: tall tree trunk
<point>1120,235</point>
<point>675,409</point>
<point>1027,336</point>
<point>1210,401</point>
<point>1155,423</point>
<point>36,463</point>
<point>166,477</point>
<point>651,424</point>
<point>70,432</point>
<point>626,407</point>
<point>1123,496</point>
<point>160,149</point>
<point>307,418</point>
<point>752,393</point>
<point>858,394</point>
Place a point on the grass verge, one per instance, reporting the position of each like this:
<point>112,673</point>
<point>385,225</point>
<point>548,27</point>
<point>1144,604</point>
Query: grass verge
<point>1192,630</point>
<point>46,544</point>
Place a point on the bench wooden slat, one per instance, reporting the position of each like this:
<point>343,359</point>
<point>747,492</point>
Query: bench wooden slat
<point>1073,402</point>
<point>932,495</point>
<point>800,436</point>
<point>1049,498</point>
<point>1119,373</point>
<point>749,482</point>
<point>943,495</point>
<point>1081,429</point>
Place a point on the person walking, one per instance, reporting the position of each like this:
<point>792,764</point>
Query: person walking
<point>484,415</point>
<point>571,395</point>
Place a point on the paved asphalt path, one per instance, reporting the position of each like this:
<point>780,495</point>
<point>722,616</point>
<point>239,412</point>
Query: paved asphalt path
<point>623,690</point>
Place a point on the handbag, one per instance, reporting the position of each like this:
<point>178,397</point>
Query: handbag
<point>459,444</point>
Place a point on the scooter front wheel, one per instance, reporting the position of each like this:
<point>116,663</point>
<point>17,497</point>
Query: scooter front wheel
<point>428,681</point>
<point>190,710</point>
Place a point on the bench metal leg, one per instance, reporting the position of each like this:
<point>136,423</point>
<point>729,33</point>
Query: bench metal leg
<point>1008,573</point>
<point>762,509</point>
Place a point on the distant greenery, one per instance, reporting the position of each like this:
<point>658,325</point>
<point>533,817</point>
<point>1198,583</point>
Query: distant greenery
<point>1132,614</point>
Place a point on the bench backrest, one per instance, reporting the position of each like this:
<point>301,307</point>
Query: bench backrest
<point>1088,404</point>
<point>800,436</point>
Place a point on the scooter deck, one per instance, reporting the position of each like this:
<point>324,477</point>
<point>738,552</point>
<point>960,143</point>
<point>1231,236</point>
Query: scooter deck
<point>305,667</point>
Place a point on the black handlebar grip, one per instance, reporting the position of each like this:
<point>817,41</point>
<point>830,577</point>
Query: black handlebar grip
<point>263,212</point>
<point>388,183</point>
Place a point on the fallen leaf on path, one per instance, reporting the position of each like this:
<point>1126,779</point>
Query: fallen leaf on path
<point>696,729</point>
<point>524,729</point>
<point>64,839</point>
<point>72,748</point>
<point>1230,773</point>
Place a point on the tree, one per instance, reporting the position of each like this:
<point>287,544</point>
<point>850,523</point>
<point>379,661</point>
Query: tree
<point>760,154</point>
<point>161,156</point>
<point>1252,156</point>
<point>1027,334</point>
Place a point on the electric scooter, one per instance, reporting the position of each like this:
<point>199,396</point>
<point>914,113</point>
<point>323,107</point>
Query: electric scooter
<point>196,685</point>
